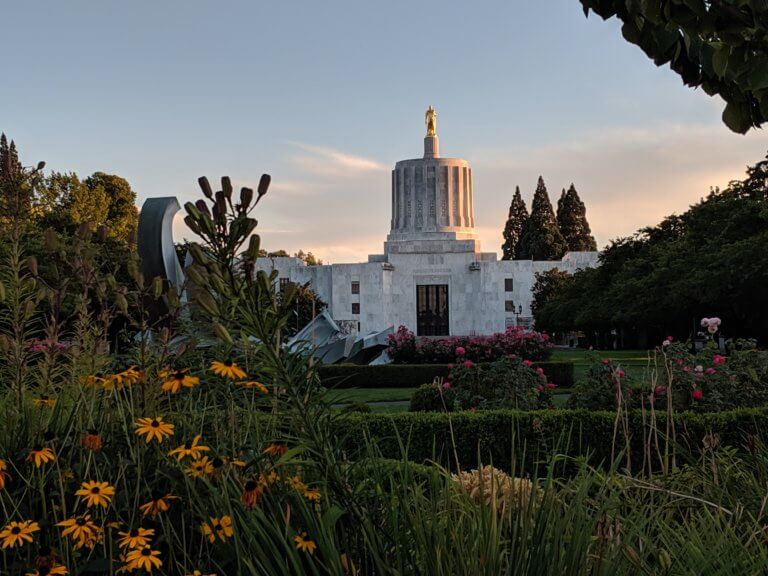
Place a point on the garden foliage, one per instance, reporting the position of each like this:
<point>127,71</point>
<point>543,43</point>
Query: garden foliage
<point>404,347</point>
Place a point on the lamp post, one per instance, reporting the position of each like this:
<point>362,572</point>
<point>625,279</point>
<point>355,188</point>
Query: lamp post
<point>518,313</point>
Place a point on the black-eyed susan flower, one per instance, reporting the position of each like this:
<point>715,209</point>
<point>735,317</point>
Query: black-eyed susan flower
<point>145,558</point>
<point>251,494</point>
<point>53,570</point>
<point>218,527</point>
<point>82,530</point>
<point>40,455</point>
<point>296,483</point>
<point>96,493</point>
<point>192,449</point>
<point>312,494</point>
<point>275,449</point>
<point>305,544</point>
<point>157,505</point>
<point>175,380</point>
<point>135,538</point>
<point>227,369</point>
<point>154,428</point>
<point>201,467</point>
<point>44,402</point>
<point>254,385</point>
<point>267,480</point>
<point>92,441</point>
<point>4,475</point>
<point>17,533</point>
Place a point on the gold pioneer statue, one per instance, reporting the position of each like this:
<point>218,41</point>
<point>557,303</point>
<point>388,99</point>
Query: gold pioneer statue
<point>431,119</point>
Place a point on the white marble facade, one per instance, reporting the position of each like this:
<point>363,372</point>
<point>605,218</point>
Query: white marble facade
<point>431,244</point>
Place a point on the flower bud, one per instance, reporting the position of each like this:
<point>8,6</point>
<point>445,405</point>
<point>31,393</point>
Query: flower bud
<point>246,197</point>
<point>205,186</point>
<point>157,287</point>
<point>32,265</point>
<point>226,187</point>
<point>264,184</point>
<point>222,333</point>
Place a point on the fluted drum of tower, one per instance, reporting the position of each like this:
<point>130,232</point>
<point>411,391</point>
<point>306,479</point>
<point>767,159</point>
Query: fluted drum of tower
<point>432,195</point>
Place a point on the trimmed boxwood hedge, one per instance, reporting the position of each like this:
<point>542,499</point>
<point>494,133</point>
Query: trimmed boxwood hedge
<point>503,436</point>
<point>414,375</point>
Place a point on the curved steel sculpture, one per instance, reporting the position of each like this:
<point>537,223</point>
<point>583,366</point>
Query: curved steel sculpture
<point>156,248</point>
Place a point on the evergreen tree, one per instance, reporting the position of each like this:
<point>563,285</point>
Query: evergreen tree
<point>572,221</point>
<point>518,215</point>
<point>540,238</point>
<point>9,159</point>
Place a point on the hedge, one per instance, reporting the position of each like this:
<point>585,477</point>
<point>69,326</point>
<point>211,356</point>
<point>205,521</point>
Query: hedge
<point>414,375</point>
<point>502,437</point>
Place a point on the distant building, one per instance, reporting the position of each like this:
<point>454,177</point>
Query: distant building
<point>433,276</point>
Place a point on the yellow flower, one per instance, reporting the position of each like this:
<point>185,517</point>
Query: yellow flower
<point>96,493</point>
<point>18,533</point>
<point>269,479</point>
<point>218,527</point>
<point>154,428</point>
<point>253,384</point>
<point>296,483</point>
<point>173,381</point>
<point>93,380</point>
<point>193,449</point>
<point>81,529</point>
<point>312,494</point>
<point>198,573</point>
<point>40,455</point>
<point>44,402</point>
<point>157,505</point>
<point>4,476</point>
<point>136,538</point>
<point>304,544</point>
<point>53,570</point>
<point>145,558</point>
<point>124,378</point>
<point>200,468</point>
<point>227,369</point>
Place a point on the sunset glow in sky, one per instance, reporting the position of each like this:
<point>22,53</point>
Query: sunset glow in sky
<point>327,96</point>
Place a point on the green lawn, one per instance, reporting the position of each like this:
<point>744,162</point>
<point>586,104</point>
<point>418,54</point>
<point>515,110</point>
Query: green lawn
<point>633,362</point>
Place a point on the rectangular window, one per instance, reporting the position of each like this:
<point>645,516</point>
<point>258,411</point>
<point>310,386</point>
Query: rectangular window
<point>432,310</point>
<point>509,285</point>
<point>284,283</point>
<point>509,306</point>
<point>355,287</point>
<point>355,307</point>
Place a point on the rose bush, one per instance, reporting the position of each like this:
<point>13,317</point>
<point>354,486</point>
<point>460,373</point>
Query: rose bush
<point>404,347</point>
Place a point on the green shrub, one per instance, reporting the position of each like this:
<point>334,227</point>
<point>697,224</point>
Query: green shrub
<point>501,436</point>
<point>506,383</point>
<point>430,398</point>
<point>414,375</point>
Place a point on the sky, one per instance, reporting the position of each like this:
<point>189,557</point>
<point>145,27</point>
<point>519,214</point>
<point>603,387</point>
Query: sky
<point>327,96</point>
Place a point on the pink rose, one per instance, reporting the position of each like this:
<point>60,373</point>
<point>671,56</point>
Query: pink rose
<point>620,373</point>
<point>468,364</point>
<point>550,386</point>
<point>605,361</point>
<point>670,338</point>
<point>446,385</point>
<point>460,351</point>
<point>687,369</point>
<point>539,388</point>
<point>527,363</point>
<point>710,371</point>
<point>450,366</point>
<point>718,359</point>
<point>659,390</point>
<point>540,371</point>
<point>698,394</point>
<point>704,322</point>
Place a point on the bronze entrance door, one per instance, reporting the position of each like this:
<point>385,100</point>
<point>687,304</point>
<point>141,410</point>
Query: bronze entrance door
<point>432,310</point>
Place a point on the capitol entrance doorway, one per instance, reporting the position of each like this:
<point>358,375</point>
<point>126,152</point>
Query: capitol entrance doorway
<point>432,310</point>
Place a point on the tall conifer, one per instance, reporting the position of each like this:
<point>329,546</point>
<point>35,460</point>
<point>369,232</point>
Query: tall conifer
<point>518,215</point>
<point>540,238</point>
<point>572,221</point>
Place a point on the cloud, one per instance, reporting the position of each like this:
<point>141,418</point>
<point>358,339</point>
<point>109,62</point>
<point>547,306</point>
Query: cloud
<point>629,178</point>
<point>322,160</point>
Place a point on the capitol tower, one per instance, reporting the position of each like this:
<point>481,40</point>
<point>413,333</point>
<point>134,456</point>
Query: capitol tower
<point>432,205</point>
